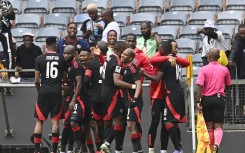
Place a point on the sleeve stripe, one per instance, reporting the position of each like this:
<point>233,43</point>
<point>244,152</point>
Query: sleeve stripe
<point>88,73</point>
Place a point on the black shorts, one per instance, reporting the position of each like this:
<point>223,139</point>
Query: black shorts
<point>99,111</point>
<point>88,112</point>
<point>115,106</point>
<point>77,115</point>
<point>213,108</point>
<point>49,102</point>
<point>174,110</point>
<point>134,114</point>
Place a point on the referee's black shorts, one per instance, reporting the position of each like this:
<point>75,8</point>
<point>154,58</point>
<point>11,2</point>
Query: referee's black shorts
<point>213,108</point>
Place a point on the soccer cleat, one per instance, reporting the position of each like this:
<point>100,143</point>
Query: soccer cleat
<point>176,151</point>
<point>215,148</point>
<point>151,150</point>
<point>105,148</point>
<point>164,151</point>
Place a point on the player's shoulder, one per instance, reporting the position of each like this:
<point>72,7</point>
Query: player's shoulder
<point>133,68</point>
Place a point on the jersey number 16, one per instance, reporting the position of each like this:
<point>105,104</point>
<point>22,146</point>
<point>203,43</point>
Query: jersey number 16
<point>51,70</point>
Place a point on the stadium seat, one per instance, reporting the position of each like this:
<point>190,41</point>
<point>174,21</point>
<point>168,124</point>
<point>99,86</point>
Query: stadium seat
<point>79,34</point>
<point>39,45</point>
<point>235,5</point>
<point>151,6</point>
<point>39,7</point>
<point>190,31</point>
<point>17,33</point>
<point>174,18</point>
<point>80,18</point>
<point>56,20</point>
<point>136,19</point>
<point>230,17</point>
<point>121,19</point>
<point>227,30</point>
<point>166,32</point>
<point>183,5</point>
<point>43,33</point>
<point>17,4</point>
<point>28,21</point>
<point>101,5</point>
<point>213,5</point>
<point>63,6</point>
<point>197,59</point>
<point>186,45</point>
<point>135,29</point>
<point>199,18</point>
<point>127,6</point>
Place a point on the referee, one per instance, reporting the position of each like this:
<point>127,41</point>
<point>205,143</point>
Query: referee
<point>211,82</point>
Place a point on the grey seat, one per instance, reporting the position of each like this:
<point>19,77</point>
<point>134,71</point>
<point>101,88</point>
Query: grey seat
<point>80,18</point>
<point>121,19</point>
<point>17,33</point>
<point>43,33</point>
<point>213,5</point>
<point>135,29</point>
<point>197,59</point>
<point>127,6</point>
<point>40,7</point>
<point>230,17</point>
<point>190,31</point>
<point>39,45</point>
<point>28,21</point>
<point>183,5</point>
<point>166,32</point>
<point>17,4</point>
<point>56,20</point>
<point>64,6</point>
<point>199,18</point>
<point>227,30</point>
<point>151,6</point>
<point>174,18</point>
<point>101,5</point>
<point>79,34</point>
<point>139,17</point>
<point>186,45</point>
<point>235,5</point>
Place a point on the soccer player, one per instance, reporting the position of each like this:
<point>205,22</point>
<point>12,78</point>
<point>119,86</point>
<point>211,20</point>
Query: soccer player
<point>74,106</point>
<point>174,109</point>
<point>50,68</point>
<point>132,98</point>
<point>212,80</point>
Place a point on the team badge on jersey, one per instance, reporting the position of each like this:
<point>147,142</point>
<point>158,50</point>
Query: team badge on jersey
<point>118,69</point>
<point>79,46</point>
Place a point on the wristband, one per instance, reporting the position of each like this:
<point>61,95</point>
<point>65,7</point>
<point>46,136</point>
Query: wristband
<point>133,86</point>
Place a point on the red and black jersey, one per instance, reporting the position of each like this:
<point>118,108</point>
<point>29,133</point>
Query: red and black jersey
<point>51,66</point>
<point>85,90</point>
<point>112,65</point>
<point>130,74</point>
<point>92,75</point>
<point>75,69</point>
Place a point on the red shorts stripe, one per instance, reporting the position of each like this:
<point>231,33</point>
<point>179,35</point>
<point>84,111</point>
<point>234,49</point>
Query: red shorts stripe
<point>168,126</point>
<point>82,105</point>
<point>96,116</point>
<point>107,117</point>
<point>58,116</point>
<point>171,108</point>
<point>77,128</point>
<point>113,103</point>
<point>39,113</point>
<point>137,111</point>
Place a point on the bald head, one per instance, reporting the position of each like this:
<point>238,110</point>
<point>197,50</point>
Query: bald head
<point>107,15</point>
<point>70,49</point>
<point>213,54</point>
<point>103,46</point>
<point>130,52</point>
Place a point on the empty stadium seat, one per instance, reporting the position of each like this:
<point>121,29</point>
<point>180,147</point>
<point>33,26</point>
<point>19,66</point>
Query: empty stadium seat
<point>139,17</point>
<point>101,5</point>
<point>17,33</point>
<point>152,6</point>
<point>213,5</point>
<point>183,5</point>
<point>40,7</point>
<point>28,21</point>
<point>17,4</point>
<point>235,5</point>
<point>186,45</point>
<point>80,18</point>
<point>56,20</point>
<point>64,6</point>
<point>227,30</point>
<point>127,6</point>
<point>166,32</point>
<point>190,31</point>
<point>43,33</point>
<point>39,45</point>
<point>174,18</point>
<point>197,59</point>
<point>121,19</point>
<point>230,17</point>
<point>199,18</point>
<point>135,29</point>
<point>79,34</point>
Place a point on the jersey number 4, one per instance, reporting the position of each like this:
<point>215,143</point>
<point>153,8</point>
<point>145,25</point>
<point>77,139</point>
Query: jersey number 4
<point>51,69</point>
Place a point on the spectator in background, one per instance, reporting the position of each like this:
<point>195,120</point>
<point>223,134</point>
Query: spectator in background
<point>26,55</point>
<point>71,39</point>
<point>212,39</point>
<point>111,24</point>
<point>95,25</point>
<point>149,41</point>
<point>111,39</point>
